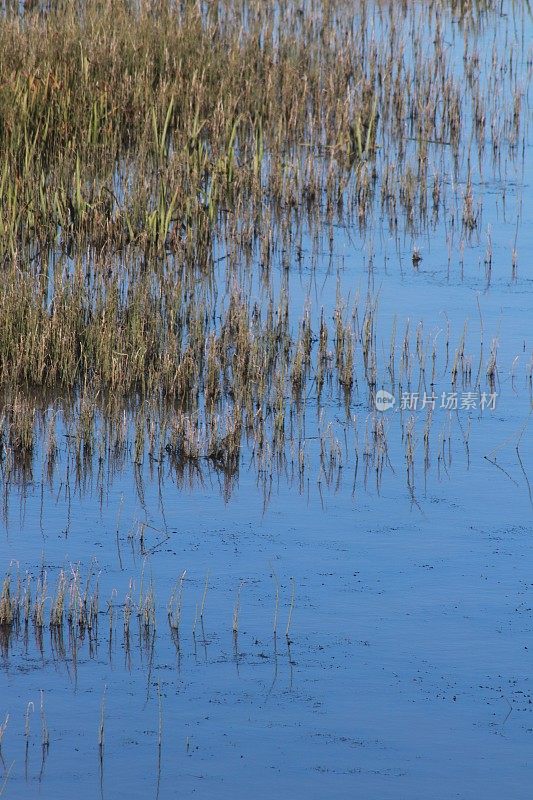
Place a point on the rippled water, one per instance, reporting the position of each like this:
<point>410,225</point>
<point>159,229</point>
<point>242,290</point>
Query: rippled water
<point>406,671</point>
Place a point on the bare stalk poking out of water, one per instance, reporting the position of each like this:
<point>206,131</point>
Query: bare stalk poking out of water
<point>101,727</point>
<point>291,608</point>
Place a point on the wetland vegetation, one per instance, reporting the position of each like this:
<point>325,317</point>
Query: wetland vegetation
<point>257,258</point>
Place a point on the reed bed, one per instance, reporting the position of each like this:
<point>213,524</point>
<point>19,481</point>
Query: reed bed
<point>69,632</point>
<point>254,379</point>
<point>159,154</point>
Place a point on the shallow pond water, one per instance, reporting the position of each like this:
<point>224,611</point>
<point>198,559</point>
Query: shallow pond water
<point>401,663</point>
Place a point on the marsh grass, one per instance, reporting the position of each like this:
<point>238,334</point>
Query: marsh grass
<point>75,645</point>
<point>159,157</point>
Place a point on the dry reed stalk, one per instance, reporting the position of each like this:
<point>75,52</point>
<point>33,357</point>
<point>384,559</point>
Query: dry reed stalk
<point>291,609</point>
